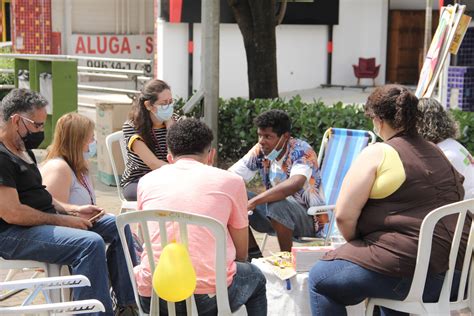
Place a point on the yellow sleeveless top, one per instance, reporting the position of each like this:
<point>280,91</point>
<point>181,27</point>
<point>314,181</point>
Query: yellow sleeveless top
<point>390,174</point>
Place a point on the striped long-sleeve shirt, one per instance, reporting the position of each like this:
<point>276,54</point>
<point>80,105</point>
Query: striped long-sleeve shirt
<point>135,168</point>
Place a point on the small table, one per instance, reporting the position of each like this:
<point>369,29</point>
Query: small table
<point>293,301</point>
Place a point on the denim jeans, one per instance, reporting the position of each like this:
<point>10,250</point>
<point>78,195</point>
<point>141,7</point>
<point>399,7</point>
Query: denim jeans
<point>82,250</point>
<point>248,288</point>
<point>287,212</point>
<point>337,283</point>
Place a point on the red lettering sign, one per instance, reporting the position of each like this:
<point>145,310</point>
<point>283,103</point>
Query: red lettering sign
<point>125,46</point>
<point>90,50</point>
<point>80,48</point>
<point>149,44</point>
<point>113,45</point>
<point>102,49</point>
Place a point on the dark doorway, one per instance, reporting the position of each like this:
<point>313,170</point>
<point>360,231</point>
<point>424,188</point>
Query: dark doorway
<point>8,23</point>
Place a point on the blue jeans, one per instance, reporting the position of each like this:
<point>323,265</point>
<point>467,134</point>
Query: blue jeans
<point>82,250</point>
<point>247,288</point>
<point>337,283</point>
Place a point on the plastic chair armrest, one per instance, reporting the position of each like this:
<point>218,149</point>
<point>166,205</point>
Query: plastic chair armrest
<point>47,283</point>
<point>322,209</point>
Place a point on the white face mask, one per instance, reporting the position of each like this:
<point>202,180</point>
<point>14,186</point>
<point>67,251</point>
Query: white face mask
<point>164,113</point>
<point>92,150</point>
<point>273,155</point>
<point>376,130</point>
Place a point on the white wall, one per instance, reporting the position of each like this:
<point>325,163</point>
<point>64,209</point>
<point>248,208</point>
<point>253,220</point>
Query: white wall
<point>232,62</point>
<point>362,32</point>
<point>99,17</point>
<point>301,58</point>
<point>172,56</point>
<point>301,51</point>
<point>411,4</point>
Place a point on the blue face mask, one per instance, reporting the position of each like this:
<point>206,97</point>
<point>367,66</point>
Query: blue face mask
<point>92,150</point>
<point>273,155</point>
<point>164,113</point>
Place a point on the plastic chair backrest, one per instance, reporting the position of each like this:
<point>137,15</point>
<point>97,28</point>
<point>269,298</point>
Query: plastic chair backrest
<point>109,144</point>
<point>43,286</point>
<point>424,248</point>
<point>183,219</point>
<point>414,301</point>
<point>14,266</point>
<point>338,150</point>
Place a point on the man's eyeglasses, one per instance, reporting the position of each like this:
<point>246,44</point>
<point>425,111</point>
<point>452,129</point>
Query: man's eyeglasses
<point>38,125</point>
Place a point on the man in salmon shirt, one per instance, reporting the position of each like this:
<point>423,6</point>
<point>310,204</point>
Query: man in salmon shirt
<point>190,184</point>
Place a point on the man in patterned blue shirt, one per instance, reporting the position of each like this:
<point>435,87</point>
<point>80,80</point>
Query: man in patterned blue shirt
<point>289,170</point>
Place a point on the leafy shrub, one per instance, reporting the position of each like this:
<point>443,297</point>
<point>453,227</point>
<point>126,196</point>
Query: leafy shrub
<point>466,126</point>
<point>5,79</point>
<point>237,133</point>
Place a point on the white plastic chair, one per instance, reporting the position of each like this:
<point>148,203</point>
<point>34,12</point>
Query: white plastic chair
<point>184,219</point>
<point>44,285</point>
<point>15,266</point>
<point>413,303</point>
<point>117,137</point>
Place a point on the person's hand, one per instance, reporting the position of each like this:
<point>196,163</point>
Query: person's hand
<point>251,205</point>
<point>88,211</point>
<point>74,222</point>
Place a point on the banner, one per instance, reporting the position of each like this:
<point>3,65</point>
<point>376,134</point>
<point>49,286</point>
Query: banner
<point>439,49</point>
<point>113,46</point>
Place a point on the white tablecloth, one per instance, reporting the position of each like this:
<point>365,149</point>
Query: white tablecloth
<point>296,300</point>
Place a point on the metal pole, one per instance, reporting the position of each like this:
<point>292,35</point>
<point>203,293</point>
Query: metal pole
<point>190,57</point>
<point>428,23</point>
<point>329,51</point>
<point>210,62</point>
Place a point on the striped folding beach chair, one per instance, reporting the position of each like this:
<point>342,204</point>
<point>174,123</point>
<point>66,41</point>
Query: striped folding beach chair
<point>339,148</point>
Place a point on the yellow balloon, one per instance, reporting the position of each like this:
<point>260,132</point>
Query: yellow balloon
<point>174,278</point>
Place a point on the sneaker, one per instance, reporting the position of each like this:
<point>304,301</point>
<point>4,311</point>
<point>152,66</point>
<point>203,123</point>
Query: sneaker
<point>254,253</point>
<point>131,310</point>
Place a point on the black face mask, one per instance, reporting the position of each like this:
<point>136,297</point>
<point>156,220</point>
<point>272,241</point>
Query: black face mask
<point>32,140</point>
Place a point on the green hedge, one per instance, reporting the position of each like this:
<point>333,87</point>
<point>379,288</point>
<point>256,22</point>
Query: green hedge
<point>466,126</point>
<point>6,79</point>
<point>237,134</point>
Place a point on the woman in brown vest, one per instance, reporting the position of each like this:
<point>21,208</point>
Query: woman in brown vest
<point>385,195</point>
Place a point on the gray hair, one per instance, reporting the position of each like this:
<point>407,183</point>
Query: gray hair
<point>21,101</point>
<point>436,124</point>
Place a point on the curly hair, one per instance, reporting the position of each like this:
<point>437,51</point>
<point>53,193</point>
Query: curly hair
<point>396,105</point>
<point>437,124</point>
<point>139,115</point>
<point>189,137</point>
<point>21,101</point>
<point>278,120</point>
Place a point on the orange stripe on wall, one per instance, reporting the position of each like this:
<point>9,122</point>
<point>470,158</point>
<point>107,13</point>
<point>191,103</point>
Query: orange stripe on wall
<point>176,7</point>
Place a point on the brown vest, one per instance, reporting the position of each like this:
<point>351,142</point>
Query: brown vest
<point>389,228</point>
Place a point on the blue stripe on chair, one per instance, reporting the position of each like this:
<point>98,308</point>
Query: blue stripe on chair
<point>342,148</point>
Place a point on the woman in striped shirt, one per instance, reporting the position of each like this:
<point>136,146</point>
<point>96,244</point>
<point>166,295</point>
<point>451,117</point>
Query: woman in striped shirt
<point>145,134</point>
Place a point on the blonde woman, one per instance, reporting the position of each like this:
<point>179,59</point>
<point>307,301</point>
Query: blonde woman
<point>65,173</point>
